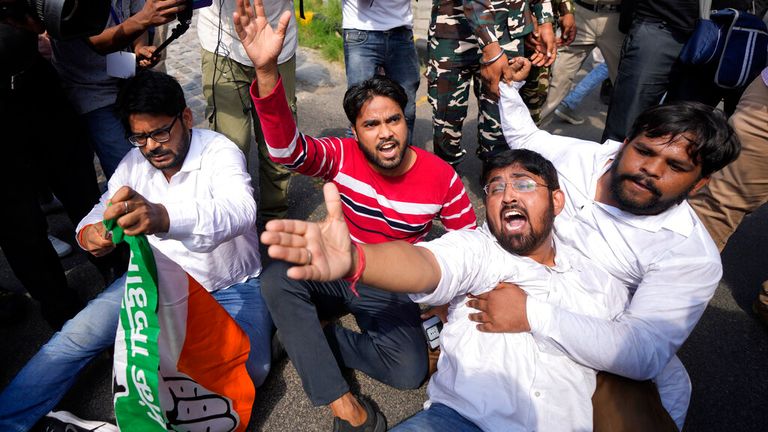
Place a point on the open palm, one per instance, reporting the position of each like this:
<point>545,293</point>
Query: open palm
<point>261,42</point>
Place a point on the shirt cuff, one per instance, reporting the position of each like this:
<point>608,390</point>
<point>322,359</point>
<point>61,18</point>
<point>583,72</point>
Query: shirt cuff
<point>255,90</point>
<point>181,221</point>
<point>540,316</point>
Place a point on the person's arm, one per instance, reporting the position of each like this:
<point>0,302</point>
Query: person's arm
<point>123,35</point>
<point>286,145</point>
<point>520,131</point>
<point>324,252</point>
<point>640,342</point>
<point>480,16</point>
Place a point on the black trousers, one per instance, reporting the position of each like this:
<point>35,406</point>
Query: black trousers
<point>391,348</point>
<point>43,145</point>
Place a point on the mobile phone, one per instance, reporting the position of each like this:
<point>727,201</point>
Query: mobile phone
<point>432,327</point>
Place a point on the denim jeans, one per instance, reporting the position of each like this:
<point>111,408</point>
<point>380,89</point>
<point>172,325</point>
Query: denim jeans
<point>594,78</point>
<point>365,51</point>
<point>46,378</point>
<point>107,137</point>
<point>438,418</point>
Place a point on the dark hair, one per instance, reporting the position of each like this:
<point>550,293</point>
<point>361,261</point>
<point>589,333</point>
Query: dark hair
<point>530,161</point>
<point>359,94</point>
<point>714,144</point>
<point>149,92</point>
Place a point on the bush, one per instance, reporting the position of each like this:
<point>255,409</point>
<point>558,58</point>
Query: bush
<point>322,28</point>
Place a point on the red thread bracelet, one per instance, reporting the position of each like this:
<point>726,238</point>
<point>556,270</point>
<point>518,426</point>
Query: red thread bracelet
<point>360,268</point>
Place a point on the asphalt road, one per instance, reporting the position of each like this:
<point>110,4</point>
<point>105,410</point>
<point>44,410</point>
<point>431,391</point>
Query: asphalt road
<point>725,355</point>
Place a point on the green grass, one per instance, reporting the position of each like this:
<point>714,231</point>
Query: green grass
<point>324,31</point>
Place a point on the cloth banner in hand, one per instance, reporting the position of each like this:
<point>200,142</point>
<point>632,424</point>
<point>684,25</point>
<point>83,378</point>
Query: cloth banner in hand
<point>179,357</point>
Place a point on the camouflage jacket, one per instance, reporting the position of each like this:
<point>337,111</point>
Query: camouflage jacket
<point>486,21</point>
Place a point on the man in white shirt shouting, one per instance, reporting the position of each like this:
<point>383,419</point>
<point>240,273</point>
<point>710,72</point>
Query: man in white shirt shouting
<point>625,209</point>
<point>483,381</point>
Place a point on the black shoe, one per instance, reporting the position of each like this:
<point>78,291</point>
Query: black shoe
<point>606,89</point>
<point>63,421</point>
<point>374,423</point>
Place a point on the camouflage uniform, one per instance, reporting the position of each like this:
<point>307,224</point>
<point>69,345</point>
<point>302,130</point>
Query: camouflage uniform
<point>534,92</point>
<point>457,33</point>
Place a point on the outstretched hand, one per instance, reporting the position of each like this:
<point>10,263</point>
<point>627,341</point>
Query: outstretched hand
<point>261,42</point>
<point>322,251</point>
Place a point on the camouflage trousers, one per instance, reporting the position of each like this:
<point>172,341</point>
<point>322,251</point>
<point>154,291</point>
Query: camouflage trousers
<point>534,92</point>
<point>448,83</point>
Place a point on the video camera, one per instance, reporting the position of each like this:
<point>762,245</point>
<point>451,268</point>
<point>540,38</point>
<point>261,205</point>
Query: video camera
<point>63,19</point>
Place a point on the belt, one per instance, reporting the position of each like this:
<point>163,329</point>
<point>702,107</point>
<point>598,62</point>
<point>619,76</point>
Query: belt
<point>598,7</point>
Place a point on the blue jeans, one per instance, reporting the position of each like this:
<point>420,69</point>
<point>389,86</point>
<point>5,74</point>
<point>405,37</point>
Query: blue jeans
<point>107,137</point>
<point>393,50</point>
<point>438,418</point>
<point>594,78</point>
<point>44,380</point>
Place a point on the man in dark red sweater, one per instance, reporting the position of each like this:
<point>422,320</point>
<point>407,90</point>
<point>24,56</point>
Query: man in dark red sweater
<point>389,191</point>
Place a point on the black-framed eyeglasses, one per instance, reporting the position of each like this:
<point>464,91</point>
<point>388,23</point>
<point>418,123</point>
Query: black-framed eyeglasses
<point>523,184</point>
<point>158,135</point>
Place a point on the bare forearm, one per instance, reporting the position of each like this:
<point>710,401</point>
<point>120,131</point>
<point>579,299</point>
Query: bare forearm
<point>399,267</point>
<point>118,37</point>
<point>266,79</point>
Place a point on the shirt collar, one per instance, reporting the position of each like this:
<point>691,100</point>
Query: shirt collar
<point>676,218</point>
<point>194,158</point>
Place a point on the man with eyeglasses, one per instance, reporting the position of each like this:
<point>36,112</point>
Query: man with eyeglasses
<point>626,210</point>
<point>494,382</point>
<point>188,191</point>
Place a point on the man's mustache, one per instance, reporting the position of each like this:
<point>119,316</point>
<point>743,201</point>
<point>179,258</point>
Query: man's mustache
<point>644,180</point>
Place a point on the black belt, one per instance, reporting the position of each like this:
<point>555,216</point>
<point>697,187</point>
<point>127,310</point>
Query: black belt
<point>598,7</point>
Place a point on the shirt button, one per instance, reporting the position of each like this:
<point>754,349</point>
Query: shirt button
<point>537,394</point>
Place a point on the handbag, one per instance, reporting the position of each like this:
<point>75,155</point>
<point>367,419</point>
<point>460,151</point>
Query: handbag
<point>734,42</point>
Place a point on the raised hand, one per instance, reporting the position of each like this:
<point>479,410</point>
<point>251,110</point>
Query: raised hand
<point>322,251</point>
<point>261,42</point>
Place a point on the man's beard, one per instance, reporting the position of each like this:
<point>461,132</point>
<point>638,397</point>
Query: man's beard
<point>178,158</point>
<point>628,203</point>
<point>373,158</point>
<point>524,244</point>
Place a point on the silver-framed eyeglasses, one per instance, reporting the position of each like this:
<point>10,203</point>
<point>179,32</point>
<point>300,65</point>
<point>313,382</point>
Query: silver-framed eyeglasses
<point>158,135</point>
<point>523,184</point>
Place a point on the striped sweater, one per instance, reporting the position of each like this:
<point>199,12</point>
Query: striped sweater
<point>377,208</point>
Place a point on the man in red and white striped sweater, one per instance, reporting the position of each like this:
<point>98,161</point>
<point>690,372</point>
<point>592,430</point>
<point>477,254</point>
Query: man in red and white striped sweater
<point>389,191</point>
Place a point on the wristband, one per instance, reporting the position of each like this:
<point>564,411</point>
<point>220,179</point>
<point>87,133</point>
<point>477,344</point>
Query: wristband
<point>359,272</point>
<point>493,60</point>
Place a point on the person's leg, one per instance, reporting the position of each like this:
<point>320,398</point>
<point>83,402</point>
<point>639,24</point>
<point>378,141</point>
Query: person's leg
<point>594,78</point>
<point>292,305</point>
<point>44,380</point>
<point>609,39</point>
<point>534,92</point>
<point>364,53</point>
<point>569,60</point>
<point>741,187</point>
<point>226,85</point>
<point>244,303</point>
<point>402,65</point>
<point>274,178</point>
<point>448,93</point>
<point>649,52</point>
<point>437,418</point>
<point>107,136</point>
<point>391,347</point>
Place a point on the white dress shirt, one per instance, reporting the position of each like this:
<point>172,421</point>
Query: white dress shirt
<point>510,381</point>
<point>668,261</point>
<point>212,233</point>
